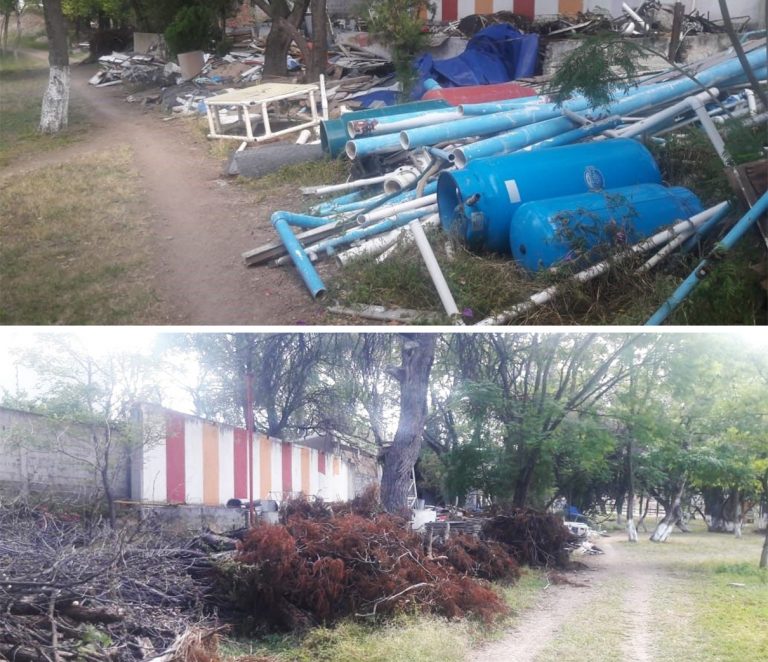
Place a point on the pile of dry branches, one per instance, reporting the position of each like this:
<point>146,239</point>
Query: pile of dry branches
<point>308,571</point>
<point>70,591</point>
<point>533,537</point>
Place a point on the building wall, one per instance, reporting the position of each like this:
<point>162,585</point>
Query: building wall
<point>451,10</point>
<point>194,461</point>
<point>43,455</point>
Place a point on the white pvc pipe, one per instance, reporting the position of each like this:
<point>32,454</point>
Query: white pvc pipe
<point>391,210</point>
<point>658,239</point>
<point>652,120</point>
<point>633,14</point>
<point>709,128</point>
<point>323,97</point>
<point>406,237</point>
<point>751,103</point>
<point>401,178</point>
<point>441,285</point>
<point>378,245</point>
<point>664,252</point>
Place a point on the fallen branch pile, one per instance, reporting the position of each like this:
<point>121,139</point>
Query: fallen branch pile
<point>533,537</point>
<point>310,571</point>
<point>68,591</point>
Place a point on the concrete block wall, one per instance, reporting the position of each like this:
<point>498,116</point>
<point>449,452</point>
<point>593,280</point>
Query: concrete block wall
<point>39,454</point>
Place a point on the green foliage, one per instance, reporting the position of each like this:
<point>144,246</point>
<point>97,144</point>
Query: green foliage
<point>599,67</point>
<point>192,29</point>
<point>400,25</point>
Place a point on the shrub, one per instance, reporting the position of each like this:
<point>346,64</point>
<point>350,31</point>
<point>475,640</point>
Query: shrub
<point>192,29</point>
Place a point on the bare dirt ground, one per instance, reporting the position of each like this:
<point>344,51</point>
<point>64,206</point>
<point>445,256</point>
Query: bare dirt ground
<point>201,222</point>
<point>564,605</point>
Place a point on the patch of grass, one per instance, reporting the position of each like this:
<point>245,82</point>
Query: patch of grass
<point>74,245</point>
<point>290,177</point>
<point>22,84</point>
<point>405,639</point>
<point>483,285</point>
<point>694,607</point>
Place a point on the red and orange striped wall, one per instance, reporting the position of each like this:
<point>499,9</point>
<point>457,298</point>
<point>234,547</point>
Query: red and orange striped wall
<point>194,461</point>
<point>452,10</point>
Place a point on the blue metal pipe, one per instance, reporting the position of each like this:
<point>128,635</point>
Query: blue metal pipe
<point>299,220</point>
<point>379,124</point>
<point>703,269</point>
<point>385,144</point>
<point>575,135</point>
<point>300,259</point>
<point>705,229</point>
<point>333,133</point>
<point>631,101</point>
<point>396,221</point>
<point>490,107</point>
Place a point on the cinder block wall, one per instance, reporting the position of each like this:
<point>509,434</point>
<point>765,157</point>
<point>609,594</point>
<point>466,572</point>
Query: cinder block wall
<point>39,454</point>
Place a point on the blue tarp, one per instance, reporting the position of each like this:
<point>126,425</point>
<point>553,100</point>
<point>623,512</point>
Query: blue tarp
<point>497,54</point>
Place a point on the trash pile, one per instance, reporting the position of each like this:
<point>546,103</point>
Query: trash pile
<point>562,187</point>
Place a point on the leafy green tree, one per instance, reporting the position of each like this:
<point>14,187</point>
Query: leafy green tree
<point>400,24</point>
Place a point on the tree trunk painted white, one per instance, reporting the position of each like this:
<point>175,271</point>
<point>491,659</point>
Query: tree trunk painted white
<point>737,528</point>
<point>55,111</point>
<point>662,531</point>
<point>631,530</point>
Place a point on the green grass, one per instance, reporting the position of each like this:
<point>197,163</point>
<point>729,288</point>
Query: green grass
<point>74,248</point>
<point>22,84</point>
<point>405,639</point>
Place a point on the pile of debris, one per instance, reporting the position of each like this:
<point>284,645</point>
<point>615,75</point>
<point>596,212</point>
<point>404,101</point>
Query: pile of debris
<point>73,591</point>
<point>456,167</point>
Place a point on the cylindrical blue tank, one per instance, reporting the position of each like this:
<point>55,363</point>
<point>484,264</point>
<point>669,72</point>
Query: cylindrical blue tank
<point>478,202</point>
<point>588,227</point>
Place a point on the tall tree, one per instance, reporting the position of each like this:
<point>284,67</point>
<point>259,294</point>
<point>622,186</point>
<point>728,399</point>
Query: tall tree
<point>417,356</point>
<point>286,18</point>
<point>54,115</point>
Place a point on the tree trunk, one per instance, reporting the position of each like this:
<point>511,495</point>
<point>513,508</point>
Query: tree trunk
<point>764,555</point>
<point>284,30</point>
<point>673,515</point>
<point>630,478</point>
<point>318,57</point>
<point>54,114</point>
<point>399,459</point>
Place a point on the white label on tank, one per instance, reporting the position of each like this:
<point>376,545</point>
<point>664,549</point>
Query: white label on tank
<point>512,191</point>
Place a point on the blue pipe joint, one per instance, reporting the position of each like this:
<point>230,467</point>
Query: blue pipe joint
<point>300,258</point>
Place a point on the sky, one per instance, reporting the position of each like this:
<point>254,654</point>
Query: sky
<point>102,340</point>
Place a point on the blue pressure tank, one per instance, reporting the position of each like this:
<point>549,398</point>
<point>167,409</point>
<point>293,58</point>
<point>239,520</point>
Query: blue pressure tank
<point>588,227</point>
<point>478,202</point>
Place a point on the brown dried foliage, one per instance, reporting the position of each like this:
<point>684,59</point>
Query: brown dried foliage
<point>533,537</point>
<point>485,559</point>
<point>308,571</point>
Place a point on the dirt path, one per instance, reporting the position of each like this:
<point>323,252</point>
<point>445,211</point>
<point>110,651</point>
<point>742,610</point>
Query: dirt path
<point>564,605</point>
<point>201,223</point>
